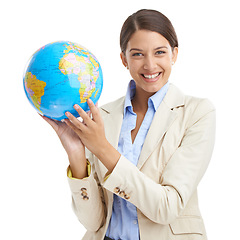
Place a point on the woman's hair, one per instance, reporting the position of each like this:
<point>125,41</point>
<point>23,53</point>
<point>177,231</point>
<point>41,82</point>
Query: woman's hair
<point>147,20</point>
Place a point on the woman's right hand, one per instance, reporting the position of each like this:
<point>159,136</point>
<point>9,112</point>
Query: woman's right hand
<point>72,145</point>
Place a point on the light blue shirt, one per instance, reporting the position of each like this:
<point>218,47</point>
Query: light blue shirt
<point>124,222</point>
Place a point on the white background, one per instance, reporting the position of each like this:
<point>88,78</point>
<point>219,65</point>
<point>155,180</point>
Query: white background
<point>35,200</point>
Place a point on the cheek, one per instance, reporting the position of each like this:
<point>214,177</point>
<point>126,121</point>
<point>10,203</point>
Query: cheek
<point>133,73</point>
<point>167,68</point>
<point>133,67</point>
<point>166,65</point>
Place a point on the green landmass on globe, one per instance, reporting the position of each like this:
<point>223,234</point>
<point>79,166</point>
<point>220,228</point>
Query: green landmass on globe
<point>62,74</point>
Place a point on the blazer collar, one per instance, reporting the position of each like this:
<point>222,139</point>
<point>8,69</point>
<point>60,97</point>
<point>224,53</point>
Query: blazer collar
<point>173,99</point>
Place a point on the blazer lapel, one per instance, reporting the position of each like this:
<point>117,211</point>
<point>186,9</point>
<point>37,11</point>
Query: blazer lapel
<point>164,117</point>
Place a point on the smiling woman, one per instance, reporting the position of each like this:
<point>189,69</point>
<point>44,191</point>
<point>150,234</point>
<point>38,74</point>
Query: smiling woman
<point>147,151</point>
<point>149,57</point>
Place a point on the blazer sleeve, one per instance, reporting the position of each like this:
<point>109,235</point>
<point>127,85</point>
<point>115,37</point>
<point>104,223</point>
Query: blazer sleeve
<point>162,202</point>
<point>87,200</point>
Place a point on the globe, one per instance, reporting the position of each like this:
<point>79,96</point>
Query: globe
<point>59,75</point>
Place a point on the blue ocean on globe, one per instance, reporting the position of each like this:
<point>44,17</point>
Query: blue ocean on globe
<point>62,74</point>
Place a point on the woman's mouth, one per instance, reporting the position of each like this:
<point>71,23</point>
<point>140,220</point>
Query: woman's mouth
<point>151,77</point>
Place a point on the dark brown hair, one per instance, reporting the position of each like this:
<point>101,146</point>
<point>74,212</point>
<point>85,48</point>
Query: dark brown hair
<point>151,20</point>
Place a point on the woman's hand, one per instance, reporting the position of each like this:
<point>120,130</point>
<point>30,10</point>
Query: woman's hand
<point>90,130</point>
<point>92,134</point>
<point>73,146</point>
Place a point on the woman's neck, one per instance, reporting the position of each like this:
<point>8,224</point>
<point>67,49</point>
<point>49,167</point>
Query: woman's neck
<point>140,101</point>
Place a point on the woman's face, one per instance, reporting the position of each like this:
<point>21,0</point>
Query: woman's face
<point>149,58</point>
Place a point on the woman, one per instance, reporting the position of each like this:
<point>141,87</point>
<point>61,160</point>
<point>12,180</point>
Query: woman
<point>146,152</point>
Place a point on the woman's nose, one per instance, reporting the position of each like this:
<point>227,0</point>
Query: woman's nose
<point>149,63</point>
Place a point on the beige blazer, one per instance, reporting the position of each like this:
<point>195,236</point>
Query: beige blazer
<point>163,186</point>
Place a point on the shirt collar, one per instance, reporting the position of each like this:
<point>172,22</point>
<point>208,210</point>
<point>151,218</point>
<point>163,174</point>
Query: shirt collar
<point>129,95</point>
<point>155,99</point>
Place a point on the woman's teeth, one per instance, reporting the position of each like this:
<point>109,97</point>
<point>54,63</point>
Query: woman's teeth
<point>151,76</point>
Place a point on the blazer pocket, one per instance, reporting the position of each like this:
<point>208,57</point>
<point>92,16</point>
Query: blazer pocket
<point>187,226</point>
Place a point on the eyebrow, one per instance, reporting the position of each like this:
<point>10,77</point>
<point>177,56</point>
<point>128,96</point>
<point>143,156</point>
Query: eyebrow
<point>140,50</point>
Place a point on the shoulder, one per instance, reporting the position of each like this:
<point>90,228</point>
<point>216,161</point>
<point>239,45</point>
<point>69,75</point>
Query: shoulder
<point>198,107</point>
<point>199,110</point>
<point>189,107</point>
<point>176,98</point>
<point>202,104</point>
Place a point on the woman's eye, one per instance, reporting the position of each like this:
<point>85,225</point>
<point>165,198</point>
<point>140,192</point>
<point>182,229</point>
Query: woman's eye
<point>137,54</point>
<point>160,52</point>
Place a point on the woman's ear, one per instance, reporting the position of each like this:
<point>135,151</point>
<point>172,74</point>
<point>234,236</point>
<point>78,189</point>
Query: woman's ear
<point>174,54</point>
<point>124,60</point>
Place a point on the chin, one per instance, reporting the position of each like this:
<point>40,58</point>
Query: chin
<point>151,90</point>
<point>154,88</point>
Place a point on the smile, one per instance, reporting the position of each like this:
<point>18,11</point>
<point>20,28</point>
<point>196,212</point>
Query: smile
<point>151,77</point>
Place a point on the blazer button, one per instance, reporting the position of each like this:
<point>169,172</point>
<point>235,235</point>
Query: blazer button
<point>126,196</point>
<point>122,194</point>
<point>116,190</point>
<point>85,198</point>
<point>84,194</point>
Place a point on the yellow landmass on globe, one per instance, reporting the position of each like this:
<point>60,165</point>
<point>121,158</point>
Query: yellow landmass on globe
<point>96,93</point>
<point>73,46</point>
<point>64,65</point>
<point>89,68</point>
<point>35,88</point>
<point>94,62</point>
<point>68,47</point>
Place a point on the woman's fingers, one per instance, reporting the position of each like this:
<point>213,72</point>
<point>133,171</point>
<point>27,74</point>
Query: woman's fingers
<point>71,125</point>
<point>86,116</point>
<point>87,122</point>
<point>89,115</point>
<point>74,123</point>
<point>94,110</point>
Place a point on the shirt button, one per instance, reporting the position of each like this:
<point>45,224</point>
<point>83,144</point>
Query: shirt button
<point>135,222</point>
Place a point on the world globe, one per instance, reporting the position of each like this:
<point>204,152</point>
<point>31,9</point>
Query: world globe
<point>62,74</point>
